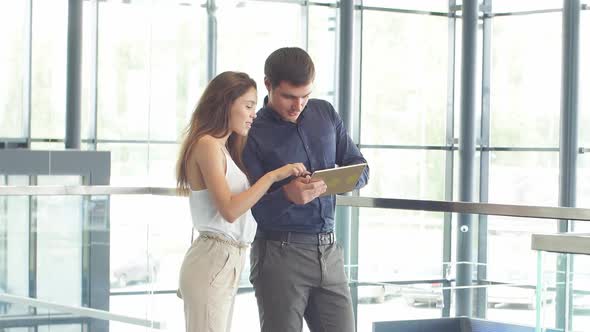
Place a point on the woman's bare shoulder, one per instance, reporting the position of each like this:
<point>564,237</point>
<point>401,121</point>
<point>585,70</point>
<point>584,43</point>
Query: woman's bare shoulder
<point>206,147</point>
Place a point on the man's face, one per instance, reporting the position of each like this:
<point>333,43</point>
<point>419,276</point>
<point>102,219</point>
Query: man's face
<point>288,100</point>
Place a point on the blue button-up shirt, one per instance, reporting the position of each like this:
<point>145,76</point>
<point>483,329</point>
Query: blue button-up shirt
<point>318,140</point>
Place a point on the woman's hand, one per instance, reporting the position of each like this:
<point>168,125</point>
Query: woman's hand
<point>296,169</point>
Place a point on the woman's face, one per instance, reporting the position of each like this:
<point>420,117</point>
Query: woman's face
<point>243,112</point>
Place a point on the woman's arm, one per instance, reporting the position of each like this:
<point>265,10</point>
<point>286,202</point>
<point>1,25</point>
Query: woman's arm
<point>212,163</point>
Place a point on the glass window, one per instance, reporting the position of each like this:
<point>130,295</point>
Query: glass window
<point>48,77</point>
<point>397,230</point>
<point>525,86</point>
<point>430,5</point>
<point>162,164</point>
<point>511,260</point>
<point>581,288</point>
<point>87,106</point>
<point>14,253</point>
<point>417,174</point>
<point>13,18</point>
<point>527,178</point>
<point>123,69</point>
<point>520,5</point>
<point>322,49</point>
<point>129,163</point>
<point>177,66</point>
<point>584,106</point>
<point>583,185</point>
<point>58,221</point>
<point>60,328</point>
<point>151,67</point>
<point>245,40</point>
<point>404,79</point>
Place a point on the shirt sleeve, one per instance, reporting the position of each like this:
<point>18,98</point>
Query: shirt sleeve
<point>347,153</point>
<point>274,203</point>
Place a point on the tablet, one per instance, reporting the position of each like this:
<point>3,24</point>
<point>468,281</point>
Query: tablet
<point>340,179</point>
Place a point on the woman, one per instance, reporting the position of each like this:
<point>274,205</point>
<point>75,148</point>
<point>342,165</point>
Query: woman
<point>209,170</point>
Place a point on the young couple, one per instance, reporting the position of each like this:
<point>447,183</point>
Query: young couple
<point>236,184</point>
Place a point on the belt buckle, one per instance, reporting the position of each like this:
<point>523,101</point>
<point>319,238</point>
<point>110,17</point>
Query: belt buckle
<point>325,238</point>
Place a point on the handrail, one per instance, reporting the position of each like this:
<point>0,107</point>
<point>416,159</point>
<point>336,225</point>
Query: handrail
<point>510,210</point>
<point>566,243</point>
<point>86,312</point>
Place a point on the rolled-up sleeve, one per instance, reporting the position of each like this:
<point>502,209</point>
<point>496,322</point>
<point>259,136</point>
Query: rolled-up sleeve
<point>347,153</point>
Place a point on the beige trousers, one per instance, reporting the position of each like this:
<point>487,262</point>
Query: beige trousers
<point>208,283</point>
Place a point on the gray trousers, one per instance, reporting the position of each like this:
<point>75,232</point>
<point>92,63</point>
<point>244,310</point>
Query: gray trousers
<point>295,281</point>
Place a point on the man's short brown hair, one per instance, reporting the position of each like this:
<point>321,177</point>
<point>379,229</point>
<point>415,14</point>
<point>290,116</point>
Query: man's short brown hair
<point>290,64</point>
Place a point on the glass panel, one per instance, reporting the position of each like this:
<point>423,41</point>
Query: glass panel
<point>322,49</point>
<point>123,69</point>
<point>397,230</point>
<point>128,163</point>
<point>162,164</point>
<point>525,86</point>
<point>151,70</point>
<point>584,106</point>
<point>528,178</point>
<point>404,302</point>
<point>13,18</point>
<point>410,174</point>
<point>431,5</point>
<point>165,308</point>
<point>87,106</point>
<point>48,85</point>
<point>581,289</point>
<point>58,221</point>
<point>177,65</point>
<point>14,246</point>
<point>247,47</point>
<point>245,314</point>
<point>49,146</point>
<point>60,328</point>
<point>511,5</point>
<point>133,266</point>
<point>583,186</point>
<point>404,79</point>
<point>580,286</point>
<point>511,260</point>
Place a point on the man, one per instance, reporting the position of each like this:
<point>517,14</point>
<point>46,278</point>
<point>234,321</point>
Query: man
<point>296,268</point>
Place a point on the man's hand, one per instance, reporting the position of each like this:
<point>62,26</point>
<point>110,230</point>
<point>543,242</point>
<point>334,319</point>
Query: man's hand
<point>303,190</point>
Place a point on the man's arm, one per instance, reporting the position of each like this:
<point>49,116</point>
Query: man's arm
<point>347,153</point>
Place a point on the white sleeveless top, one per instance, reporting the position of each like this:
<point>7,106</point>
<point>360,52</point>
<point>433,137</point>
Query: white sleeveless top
<point>207,218</point>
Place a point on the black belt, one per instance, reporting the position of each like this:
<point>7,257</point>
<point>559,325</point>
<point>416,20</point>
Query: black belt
<point>296,237</point>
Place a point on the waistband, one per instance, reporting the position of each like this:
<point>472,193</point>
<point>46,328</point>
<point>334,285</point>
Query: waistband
<point>296,237</point>
<point>223,239</point>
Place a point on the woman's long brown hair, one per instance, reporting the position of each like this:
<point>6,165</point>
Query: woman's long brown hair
<point>211,117</point>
